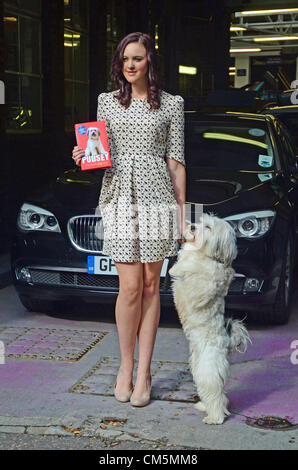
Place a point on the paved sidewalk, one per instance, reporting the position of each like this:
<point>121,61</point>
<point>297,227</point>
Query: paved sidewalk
<point>59,373</point>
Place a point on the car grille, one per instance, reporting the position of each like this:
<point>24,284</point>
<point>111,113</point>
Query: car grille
<point>101,282</point>
<point>74,279</point>
<point>97,281</point>
<point>81,232</point>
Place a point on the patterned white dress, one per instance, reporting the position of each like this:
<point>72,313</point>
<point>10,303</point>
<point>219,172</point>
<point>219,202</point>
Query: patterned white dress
<point>137,199</point>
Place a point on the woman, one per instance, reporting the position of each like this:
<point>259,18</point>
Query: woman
<point>145,129</point>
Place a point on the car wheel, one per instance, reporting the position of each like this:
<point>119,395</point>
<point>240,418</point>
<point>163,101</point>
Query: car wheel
<point>37,305</point>
<point>279,312</point>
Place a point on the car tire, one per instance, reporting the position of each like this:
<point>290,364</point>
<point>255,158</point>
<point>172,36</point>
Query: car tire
<point>279,312</point>
<point>37,305</point>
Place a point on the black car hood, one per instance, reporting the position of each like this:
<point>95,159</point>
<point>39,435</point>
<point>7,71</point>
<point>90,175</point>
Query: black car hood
<point>222,191</point>
<point>74,191</point>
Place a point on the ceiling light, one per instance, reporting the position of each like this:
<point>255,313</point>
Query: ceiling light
<point>71,35</point>
<point>187,70</point>
<point>237,28</point>
<point>267,12</point>
<point>69,44</point>
<point>275,38</point>
<point>252,49</point>
<point>10,18</point>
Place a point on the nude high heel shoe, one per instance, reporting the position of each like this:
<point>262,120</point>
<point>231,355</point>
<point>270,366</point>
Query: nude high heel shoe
<point>122,396</point>
<point>141,401</point>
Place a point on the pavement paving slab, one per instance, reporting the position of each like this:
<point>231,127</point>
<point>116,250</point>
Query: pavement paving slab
<point>50,343</point>
<point>44,394</point>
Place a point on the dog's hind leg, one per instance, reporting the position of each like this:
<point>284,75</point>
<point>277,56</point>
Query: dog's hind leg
<point>193,360</point>
<point>213,370</point>
<point>218,411</point>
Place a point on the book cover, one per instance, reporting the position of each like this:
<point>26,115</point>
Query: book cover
<point>92,137</point>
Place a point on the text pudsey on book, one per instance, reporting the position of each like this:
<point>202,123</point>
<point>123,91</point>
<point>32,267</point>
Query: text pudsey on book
<point>92,137</point>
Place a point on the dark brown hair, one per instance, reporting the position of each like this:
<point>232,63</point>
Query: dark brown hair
<point>154,80</point>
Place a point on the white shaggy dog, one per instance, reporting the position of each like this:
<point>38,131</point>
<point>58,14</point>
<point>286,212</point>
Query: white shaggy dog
<point>201,278</point>
<point>94,145</point>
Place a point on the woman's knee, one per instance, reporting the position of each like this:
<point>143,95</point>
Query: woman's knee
<point>151,278</point>
<point>151,287</point>
<point>130,281</point>
<point>131,292</point>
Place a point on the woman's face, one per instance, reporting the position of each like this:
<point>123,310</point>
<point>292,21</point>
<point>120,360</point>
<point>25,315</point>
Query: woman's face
<point>135,63</point>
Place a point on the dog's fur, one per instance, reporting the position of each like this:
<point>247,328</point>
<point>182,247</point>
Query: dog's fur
<point>94,145</point>
<point>201,279</point>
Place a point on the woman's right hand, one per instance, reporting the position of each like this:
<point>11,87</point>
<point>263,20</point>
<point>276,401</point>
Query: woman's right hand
<point>77,154</point>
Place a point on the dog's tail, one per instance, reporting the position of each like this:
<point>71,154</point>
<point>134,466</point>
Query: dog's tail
<point>239,337</point>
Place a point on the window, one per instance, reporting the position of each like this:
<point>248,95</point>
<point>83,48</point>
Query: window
<point>32,6</point>
<point>76,62</point>
<point>115,32</point>
<point>22,61</point>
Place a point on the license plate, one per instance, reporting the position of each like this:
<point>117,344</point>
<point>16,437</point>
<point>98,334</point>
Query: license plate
<point>105,265</point>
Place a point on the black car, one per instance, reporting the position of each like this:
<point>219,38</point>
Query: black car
<point>241,167</point>
<point>288,115</point>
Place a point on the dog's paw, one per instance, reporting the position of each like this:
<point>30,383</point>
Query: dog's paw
<point>200,406</point>
<point>213,420</point>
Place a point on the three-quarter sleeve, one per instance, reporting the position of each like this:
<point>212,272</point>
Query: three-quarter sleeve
<point>175,136</point>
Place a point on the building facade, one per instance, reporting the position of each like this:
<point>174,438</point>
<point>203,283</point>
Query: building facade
<point>55,59</point>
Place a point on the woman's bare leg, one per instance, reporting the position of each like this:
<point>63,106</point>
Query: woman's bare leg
<point>128,314</point>
<point>148,325</point>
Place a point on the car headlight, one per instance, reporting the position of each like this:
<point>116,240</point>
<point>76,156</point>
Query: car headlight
<point>251,224</point>
<point>36,218</point>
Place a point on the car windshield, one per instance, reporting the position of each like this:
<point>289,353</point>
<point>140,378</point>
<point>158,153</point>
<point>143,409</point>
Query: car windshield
<point>221,145</point>
<point>292,124</point>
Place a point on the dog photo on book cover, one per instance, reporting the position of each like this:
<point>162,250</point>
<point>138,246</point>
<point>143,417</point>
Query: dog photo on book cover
<point>92,137</point>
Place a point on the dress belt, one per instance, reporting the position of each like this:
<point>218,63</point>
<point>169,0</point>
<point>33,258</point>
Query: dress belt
<point>134,154</point>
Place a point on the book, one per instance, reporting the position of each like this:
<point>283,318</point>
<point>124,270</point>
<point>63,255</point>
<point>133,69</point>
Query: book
<point>92,137</point>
